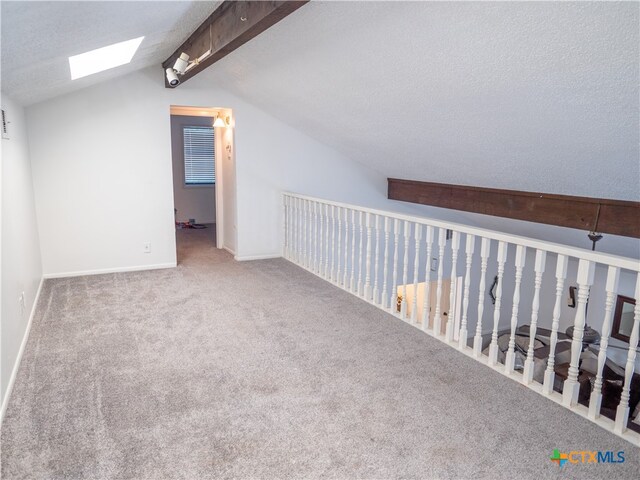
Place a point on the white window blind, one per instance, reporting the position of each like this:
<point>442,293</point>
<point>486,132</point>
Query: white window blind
<point>199,156</point>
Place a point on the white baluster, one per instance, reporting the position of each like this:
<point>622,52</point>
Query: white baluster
<point>561,275</point>
<point>541,258</point>
<point>352,284</point>
<point>292,224</point>
<point>622,413</point>
<point>360,251</point>
<point>571,386</point>
<point>455,245</point>
<point>416,267</point>
<point>367,270</point>
<point>326,243</point>
<point>469,248</point>
<point>339,251</point>
<point>303,231</point>
<point>332,273</point>
<point>345,274</point>
<point>285,225</point>
<point>405,270</point>
<point>426,297</point>
<point>485,252</point>
<point>298,211</point>
<point>393,305</point>
<point>385,270</point>
<point>314,239</point>
<point>521,256</point>
<point>437,318</point>
<point>307,232</point>
<point>322,236</point>
<point>376,293</point>
<point>493,348</point>
<point>613,276</point>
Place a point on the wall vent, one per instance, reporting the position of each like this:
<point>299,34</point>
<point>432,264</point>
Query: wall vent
<point>5,133</point>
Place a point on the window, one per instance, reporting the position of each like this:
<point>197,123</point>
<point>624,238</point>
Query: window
<point>199,157</point>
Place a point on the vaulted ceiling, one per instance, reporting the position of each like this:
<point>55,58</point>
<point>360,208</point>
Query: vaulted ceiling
<point>38,38</point>
<point>539,96</point>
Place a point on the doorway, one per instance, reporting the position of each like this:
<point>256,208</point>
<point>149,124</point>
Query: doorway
<point>201,141</point>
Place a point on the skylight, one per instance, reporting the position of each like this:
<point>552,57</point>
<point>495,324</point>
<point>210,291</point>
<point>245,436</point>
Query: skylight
<point>103,58</point>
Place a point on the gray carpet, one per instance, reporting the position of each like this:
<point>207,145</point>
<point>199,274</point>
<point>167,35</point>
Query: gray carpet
<point>219,369</point>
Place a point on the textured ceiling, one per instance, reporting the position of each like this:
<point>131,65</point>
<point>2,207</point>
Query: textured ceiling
<point>38,38</point>
<point>535,96</point>
<point>539,96</point>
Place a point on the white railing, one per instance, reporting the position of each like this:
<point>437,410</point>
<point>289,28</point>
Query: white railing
<point>408,266</point>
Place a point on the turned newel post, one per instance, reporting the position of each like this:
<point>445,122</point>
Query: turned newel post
<point>571,387</point>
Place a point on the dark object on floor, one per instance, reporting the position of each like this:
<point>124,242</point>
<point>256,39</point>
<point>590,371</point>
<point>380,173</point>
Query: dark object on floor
<point>183,225</point>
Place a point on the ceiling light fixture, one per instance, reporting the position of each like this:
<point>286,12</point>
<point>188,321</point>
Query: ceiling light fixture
<point>103,58</point>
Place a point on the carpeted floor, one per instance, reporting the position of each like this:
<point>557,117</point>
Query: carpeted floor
<point>220,369</point>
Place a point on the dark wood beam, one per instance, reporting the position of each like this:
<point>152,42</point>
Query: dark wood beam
<point>617,217</point>
<point>230,26</point>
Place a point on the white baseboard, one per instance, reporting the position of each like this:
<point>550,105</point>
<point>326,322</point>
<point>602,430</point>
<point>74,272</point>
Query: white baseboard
<point>16,366</point>
<point>232,252</point>
<point>110,270</point>
<point>257,257</point>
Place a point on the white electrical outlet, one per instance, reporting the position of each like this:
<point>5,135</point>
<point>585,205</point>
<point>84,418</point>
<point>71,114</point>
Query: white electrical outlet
<point>434,264</point>
<point>147,248</point>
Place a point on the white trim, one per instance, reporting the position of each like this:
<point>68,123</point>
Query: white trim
<point>246,258</point>
<point>219,197</point>
<point>232,252</point>
<point>110,270</point>
<point>23,345</point>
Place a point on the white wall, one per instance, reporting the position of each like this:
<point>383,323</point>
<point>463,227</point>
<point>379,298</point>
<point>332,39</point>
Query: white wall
<point>103,176</point>
<point>21,265</point>
<point>226,165</point>
<point>199,201</point>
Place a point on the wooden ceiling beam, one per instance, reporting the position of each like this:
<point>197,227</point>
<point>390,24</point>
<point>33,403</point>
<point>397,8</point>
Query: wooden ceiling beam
<point>230,26</point>
<point>617,217</point>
